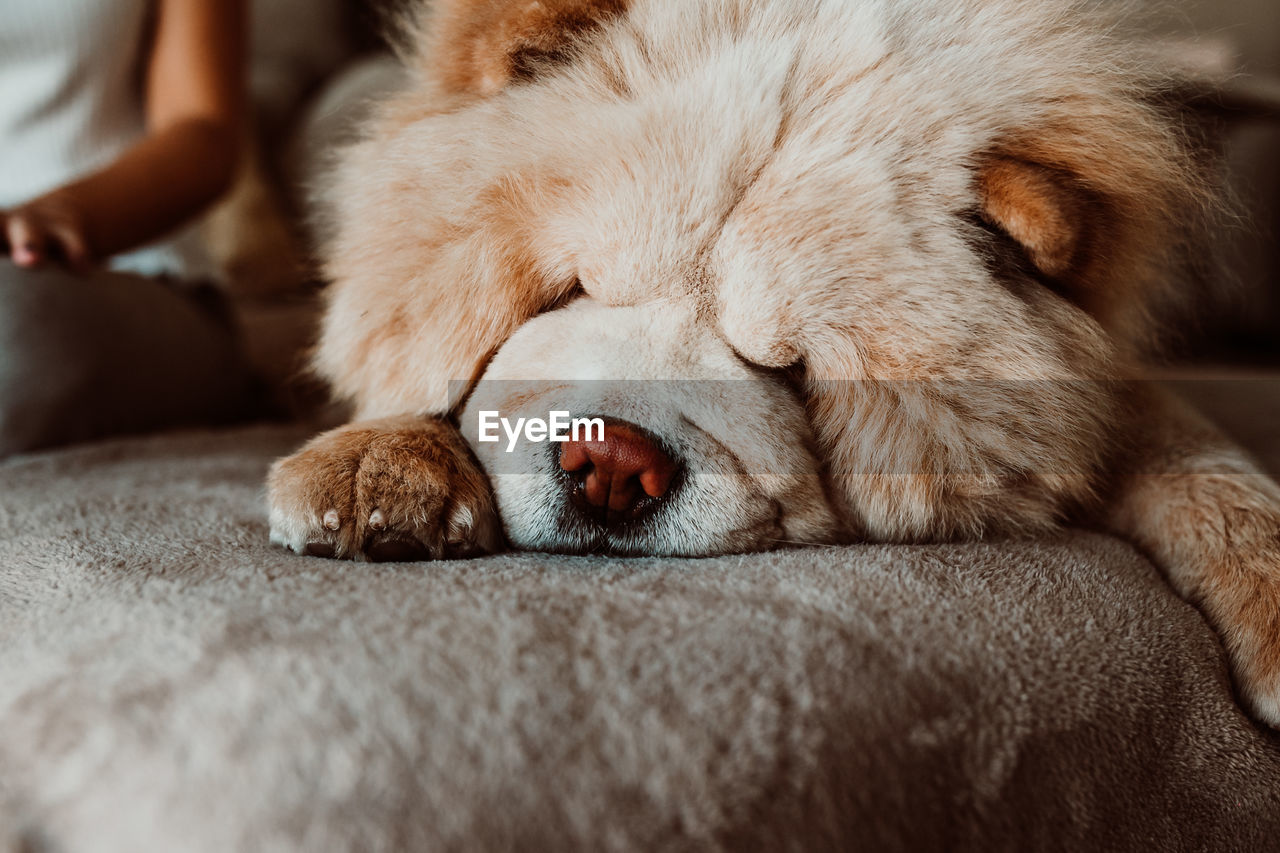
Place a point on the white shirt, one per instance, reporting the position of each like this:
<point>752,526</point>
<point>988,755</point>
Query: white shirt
<point>71,83</point>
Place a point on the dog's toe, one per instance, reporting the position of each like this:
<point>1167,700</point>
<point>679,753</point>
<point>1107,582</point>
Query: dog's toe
<point>472,528</point>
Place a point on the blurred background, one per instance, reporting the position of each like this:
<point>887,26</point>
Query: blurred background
<point>1243,323</point>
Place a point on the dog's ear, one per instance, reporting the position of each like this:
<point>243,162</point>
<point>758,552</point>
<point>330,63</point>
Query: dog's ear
<point>477,47</point>
<point>1044,211</point>
<point>1069,200</point>
<point>1108,205</point>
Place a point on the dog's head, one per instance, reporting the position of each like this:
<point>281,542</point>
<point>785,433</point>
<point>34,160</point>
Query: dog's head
<point>822,269</point>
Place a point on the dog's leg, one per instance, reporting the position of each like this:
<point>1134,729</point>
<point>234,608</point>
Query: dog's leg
<point>403,488</point>
<point>1211,520</point>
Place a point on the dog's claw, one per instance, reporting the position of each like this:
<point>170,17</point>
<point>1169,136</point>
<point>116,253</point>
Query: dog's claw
<point>331,520</point>
<point>377,521</point>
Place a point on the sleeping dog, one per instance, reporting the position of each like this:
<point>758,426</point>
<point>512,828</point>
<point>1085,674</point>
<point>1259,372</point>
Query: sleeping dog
<point>700,276</point>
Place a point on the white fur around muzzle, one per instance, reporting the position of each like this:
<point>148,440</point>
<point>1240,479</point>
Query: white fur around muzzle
<point>749,478</point>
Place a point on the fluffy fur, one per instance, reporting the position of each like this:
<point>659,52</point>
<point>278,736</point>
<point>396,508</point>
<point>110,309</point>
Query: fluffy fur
<point>944,227</point>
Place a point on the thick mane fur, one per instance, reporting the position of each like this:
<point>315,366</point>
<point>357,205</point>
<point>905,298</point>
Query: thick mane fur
<point>926,83</point>
<point>939,81</point>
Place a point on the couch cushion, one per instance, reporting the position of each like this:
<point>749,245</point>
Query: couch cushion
<point>168,681</point>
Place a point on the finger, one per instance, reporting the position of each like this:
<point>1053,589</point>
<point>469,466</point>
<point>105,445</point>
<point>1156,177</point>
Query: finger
<point>75,249</point>
<point>26,241</point>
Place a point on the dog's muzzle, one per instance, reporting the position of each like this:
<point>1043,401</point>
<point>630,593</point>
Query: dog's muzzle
<point>699,453</point>
<point>619,477</point>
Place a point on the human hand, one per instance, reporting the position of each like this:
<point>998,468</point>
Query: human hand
<point>50,228</point>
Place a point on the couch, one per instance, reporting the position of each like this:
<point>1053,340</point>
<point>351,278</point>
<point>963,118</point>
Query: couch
<point>169,681</point>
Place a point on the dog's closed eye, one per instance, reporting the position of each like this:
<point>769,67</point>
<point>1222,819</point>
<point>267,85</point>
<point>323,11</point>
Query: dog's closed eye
<point>1032,223</point>
<point>529,61</point>
<point>565,295</point>
<point>1007,260</point>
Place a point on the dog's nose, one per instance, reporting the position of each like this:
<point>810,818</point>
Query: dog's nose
<point>616,471</point>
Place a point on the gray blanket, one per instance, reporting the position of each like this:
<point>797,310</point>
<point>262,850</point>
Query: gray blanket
<point>169,682</point>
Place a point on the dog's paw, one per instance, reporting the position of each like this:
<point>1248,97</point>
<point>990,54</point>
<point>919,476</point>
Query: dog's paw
<point>398,489</point>
<point>1250,627</point>
<point>1260,691</point>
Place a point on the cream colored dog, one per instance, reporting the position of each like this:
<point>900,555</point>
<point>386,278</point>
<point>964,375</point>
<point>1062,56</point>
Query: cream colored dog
<point>825,270</point>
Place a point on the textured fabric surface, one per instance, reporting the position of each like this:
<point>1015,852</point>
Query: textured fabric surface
<point>169,682</point>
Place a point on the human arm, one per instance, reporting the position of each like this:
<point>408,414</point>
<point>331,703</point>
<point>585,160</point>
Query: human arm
<point>194,94</point>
